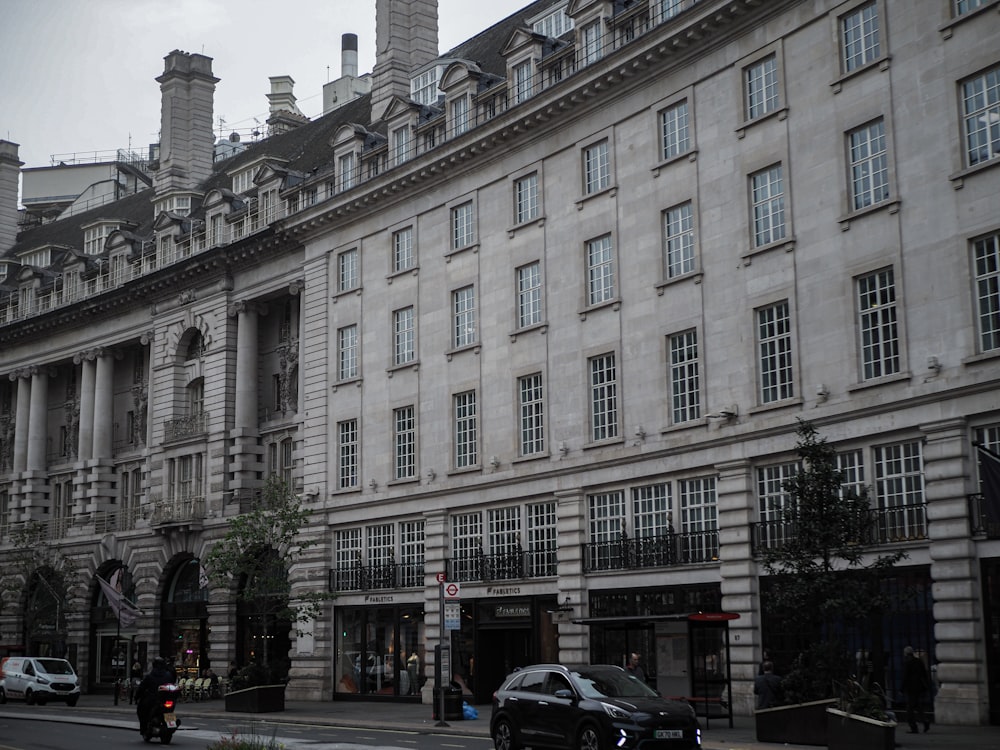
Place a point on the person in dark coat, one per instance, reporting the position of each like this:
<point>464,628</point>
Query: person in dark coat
<point>916,682</point>
<point>767,687</point>
<point>145,694</point>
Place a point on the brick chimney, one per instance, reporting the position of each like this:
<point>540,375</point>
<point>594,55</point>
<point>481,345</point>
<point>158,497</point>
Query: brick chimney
<point>285,113</point>
<point>187,140</point>
<point>10,170</point>
<point>406,37</point>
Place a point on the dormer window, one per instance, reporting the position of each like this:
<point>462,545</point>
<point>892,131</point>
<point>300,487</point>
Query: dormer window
<point>347,171</point>
<point>521,82</point>
<point>95,237</point>
<point>424,87</point>
<point>591,43</point>
<point>40,258</point>
<point>179,204</point>
<point>555,23</point>
<point>243,181</point>
<point>459,115</point>
<point>400,145</point>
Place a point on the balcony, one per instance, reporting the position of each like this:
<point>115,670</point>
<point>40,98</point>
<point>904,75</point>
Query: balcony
<point>663,550</point>
<point>178,511</point>
<point>900,523</point>
<point>980,523</point>
<point>505,566</point>
<point>377,577</point>
<point>193,424</point>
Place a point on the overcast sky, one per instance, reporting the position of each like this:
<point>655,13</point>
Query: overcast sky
<point>77,76</point>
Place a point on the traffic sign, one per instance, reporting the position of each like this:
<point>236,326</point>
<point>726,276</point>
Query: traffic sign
<point>441,577</point>
<point>452,591</point>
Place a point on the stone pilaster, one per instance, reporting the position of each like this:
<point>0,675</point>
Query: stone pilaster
<point>572,534</point>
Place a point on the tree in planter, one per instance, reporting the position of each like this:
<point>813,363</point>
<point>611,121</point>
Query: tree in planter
<point>36,580</point>
<point>256,555</point>
<point>820,577</point>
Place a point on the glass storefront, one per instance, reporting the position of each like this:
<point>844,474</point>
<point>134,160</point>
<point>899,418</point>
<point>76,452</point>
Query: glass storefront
<point>379,651</point>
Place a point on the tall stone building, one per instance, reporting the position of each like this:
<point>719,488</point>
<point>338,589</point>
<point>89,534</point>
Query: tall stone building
<point>538,315</point>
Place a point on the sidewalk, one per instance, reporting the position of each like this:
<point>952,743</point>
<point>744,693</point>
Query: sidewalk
<point>417,717</point>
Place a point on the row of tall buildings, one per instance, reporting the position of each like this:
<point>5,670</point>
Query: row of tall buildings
<point>538,315</point>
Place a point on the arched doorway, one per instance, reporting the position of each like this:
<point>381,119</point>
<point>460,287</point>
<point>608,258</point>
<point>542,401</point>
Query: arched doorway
<point>113,639</point>
<point>184,631</point>
<point>263,627</point>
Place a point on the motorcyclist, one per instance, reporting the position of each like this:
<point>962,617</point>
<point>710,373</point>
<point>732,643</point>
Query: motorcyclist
<point>145,694</point>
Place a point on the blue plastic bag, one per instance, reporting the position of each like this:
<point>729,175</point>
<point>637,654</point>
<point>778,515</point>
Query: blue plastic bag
<point>469,712</point>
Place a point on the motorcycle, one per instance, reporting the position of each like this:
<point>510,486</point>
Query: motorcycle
<point>162,721</point>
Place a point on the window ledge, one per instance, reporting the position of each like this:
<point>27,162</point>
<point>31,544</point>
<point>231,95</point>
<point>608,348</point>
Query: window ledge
<point>337,295</point>
<point>787,244</point>
<point>393,369</point>
<point>404,481</point>
<point>539,327</point>
<point>947,29</point>
<point>533,457</point>
<point>781,113</point>
<point>691,155</point>
<point>876,382</point>
<point>958,178</point>
<point>882,63</point>
<point>346,491</point>
<point>691,424</point>
<point>611,191</point>
<point>350,381</point>
<point>538,221</point>
<point>465,470</point>
<point>694,277</point>
<point>775,405</point>
<point>619,440</point>
<point>975,359</point>
<point>615,304</point>
<point>474,247</point>
<point>892,206</point>
<point>474,348</point>
<point>412,271</point>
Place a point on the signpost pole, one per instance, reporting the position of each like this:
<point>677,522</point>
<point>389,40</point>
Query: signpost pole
<point>442,653</point>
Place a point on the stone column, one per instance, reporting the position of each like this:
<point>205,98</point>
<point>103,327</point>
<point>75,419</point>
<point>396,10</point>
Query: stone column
<point>22,418</point>
<point>739,571</point>
<point>38,419</point>
<point>246,365</point>
<point>85,449</point>
<point>957,589</point>
<point>104,408</point>
<point>574,640</point>
<point>436,553</point>
<point>147,340</point>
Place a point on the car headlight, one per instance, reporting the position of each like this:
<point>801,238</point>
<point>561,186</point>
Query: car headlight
<point>614,712</point>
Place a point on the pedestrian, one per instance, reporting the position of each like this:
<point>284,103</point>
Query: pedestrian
<point>915,683</point>
<point>765,658</point>
<point>767,687</point>
<point>633,667</point>
<point>135,677</point>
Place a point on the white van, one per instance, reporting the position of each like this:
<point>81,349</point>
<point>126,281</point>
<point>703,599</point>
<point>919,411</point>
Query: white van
<point>38,679</point>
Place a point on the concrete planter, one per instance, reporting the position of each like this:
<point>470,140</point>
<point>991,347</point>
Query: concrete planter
<point>850,732</point>
<point>798,724</point>
<point>260,699</point>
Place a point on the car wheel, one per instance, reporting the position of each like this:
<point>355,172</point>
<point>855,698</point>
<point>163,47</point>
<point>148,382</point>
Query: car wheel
<point>504,737</point>
<point>590,738</point>
<point>72,701</point>
<point>42,699</point>
<point>29,697</point>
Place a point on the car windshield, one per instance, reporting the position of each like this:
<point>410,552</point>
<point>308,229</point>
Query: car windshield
<point>55,666</point>
<point>611,683</point>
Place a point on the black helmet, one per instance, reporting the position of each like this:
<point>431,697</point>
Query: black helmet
<point>159,662</point>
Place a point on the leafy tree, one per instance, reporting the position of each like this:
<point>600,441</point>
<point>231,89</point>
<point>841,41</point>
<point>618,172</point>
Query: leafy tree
<point>36,580</point>
<point>255,557</point>
<point>822,574</point>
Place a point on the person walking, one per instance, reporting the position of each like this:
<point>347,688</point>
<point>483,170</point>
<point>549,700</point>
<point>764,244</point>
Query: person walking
<point>916,682</point>
<point>767,687</point>
<point>633,667</point>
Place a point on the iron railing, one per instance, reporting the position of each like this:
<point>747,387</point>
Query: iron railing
<point>662,550</point>
<point>505,566</point>
<point>984,521</point>
<point>377,577</point>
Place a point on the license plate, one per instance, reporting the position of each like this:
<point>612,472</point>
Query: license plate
<point>170,720</point>
<point>668,734</point>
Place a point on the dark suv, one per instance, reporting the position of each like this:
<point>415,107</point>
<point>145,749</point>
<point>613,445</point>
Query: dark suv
<point>595,707</point>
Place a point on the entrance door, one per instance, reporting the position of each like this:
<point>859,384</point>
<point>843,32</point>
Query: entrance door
<point>991,608</point>
<point>498,653</point>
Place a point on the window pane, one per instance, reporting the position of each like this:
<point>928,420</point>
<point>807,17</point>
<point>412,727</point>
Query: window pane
<point>774,341</point>
<point>869,165</point>
<point>529,295</point>
<point>987,268</point>
<point>466,429</point>
<point>768,197</point>
<point>674,130</point>
<point>678,234</point>
<point>981,110</point>
<point>684,381</point>
<point>596,168</point>
<point>600,271</point>
<point>604,397</point>
<point>464,308</point>
<point>762,87</point>
<point>860,37</point>
<point>877,324</point>
<point>532,427</point>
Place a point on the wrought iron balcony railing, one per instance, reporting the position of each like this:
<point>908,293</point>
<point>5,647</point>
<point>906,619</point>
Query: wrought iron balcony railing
<point>193,424</point>
<point>377,577</point>
<point>983,520</point>
<point>178,510</point>
<point>663,550</point>
<point>901,523</point>
<point>504,566</point>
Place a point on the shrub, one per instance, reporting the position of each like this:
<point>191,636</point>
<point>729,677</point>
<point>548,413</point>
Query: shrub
<point>248,740</point>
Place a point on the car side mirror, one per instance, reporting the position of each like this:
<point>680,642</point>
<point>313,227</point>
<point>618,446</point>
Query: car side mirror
<point>564,693</point>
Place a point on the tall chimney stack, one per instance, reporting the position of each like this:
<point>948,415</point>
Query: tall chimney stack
<point>10,170</point>
<point>349,55</point>
<point>187,140</point>
<point>406,37</point>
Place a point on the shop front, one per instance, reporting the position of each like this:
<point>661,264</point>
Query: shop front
<point>380,649</point>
